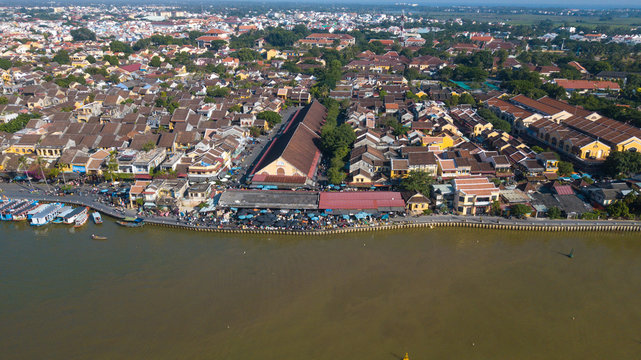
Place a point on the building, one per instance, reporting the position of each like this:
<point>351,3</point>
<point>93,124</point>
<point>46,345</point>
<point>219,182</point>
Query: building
<point>375,201</point>
<point>474,195</point>
<point>292,159</point>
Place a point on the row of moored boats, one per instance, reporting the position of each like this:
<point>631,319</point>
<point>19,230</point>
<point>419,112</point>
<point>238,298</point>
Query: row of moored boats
<point>42,214</point>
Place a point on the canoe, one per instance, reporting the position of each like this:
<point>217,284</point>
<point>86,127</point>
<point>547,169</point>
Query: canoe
<point>97,237</point>
<point>130,224</point>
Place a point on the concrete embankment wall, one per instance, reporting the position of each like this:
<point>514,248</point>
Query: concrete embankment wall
<point>428,225</point>
<point>547,226</point>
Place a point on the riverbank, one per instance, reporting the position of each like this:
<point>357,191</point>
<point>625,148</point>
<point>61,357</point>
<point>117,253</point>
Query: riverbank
<point>399,223</point>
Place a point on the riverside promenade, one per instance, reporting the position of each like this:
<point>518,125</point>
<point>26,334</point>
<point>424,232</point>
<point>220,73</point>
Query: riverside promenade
<point>84,198</point>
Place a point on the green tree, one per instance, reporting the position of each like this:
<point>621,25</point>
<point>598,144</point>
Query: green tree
<point>554,213</point>
<point>90,59</point>
<point>5,64</point>
<point>466,98</point>
<point>622,164</point>
<point>246,55</point>
<point>119,46</point>
<point>271,117</point>
<point>62,57</point>
<point>83,34</point>
<point>3,100</point>
<point>18,123</point>
<point>565,168</point>
<point>495,208</point>
<point>155,62</point>
<point>618,209</point>
<point>335,175</point>
<point>417,181</point>
<point>520,210</point>
<point>148,146</point>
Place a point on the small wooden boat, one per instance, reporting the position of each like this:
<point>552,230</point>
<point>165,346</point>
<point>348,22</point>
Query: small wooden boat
<point>97,219</point>
<point>96,237</point>
<point>131,222</point>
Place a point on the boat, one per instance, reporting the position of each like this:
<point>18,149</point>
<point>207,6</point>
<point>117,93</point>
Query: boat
<point>96,237</point>
<point>71,217</point>
<point>46,215</point>
<point>97,219</point>
<point>82,218</point>
<point>7,214</point>
<point>6,205</point>
<point>22,215</point>
<point>131,222</point>
<point>38,209</point>
<point>61,216</point>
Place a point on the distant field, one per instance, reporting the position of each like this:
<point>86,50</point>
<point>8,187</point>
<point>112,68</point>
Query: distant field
<point>529,19</point>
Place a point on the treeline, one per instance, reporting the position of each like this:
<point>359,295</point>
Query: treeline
<point>336,142</point>
<point>18,123</point>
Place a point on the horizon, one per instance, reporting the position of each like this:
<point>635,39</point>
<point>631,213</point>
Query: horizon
<point>542,4</point>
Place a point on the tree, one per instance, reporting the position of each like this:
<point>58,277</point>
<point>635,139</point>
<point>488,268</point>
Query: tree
<point>62,57</point>
<point>618,209</point>
<point>5,64</point>
<point>495,208</point>
<point>418,181</point>
<point>217,45</point>
<point>622,164</point>
<point>23,164</point>
<point>40,166</point>
<point>236,108</point>
<point>520,210</point>
<point>466,98</point>
<point>61,166</point>
<point>18,123</point>
<point>90,59</point>
<point>112,165</point>
<point>497,122</point>
<point>246,55</point>
<point>335,175</point>
<point>565,168</point>
<point>217,91</point>
<point>148,146</point>
<point>112,60</point>
<point>83,34</point>
<point>554,213</point>
<point>155,62</point>
<point>3,100</point>
<point>271,117</point>
<point>255,131</point>
<point>119,46</point>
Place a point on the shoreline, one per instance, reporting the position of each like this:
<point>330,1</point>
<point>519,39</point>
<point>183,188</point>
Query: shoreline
<point>429,221</point>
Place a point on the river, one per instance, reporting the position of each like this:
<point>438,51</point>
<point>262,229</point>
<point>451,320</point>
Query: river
<point>156,293</point>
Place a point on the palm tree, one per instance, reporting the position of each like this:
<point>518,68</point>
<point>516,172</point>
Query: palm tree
<point>61,166</point>
<point>23,164</point>
<point>112,165</point>
<point>39,162</point>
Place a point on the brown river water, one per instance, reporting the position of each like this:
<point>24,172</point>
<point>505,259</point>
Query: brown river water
<point>156,293</point>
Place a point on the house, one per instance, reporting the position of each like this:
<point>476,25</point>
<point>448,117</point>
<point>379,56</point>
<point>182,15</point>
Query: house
<point>147,161</point>
<point>474,195</point>
<point>415,203</point>
<point>587,85</point>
